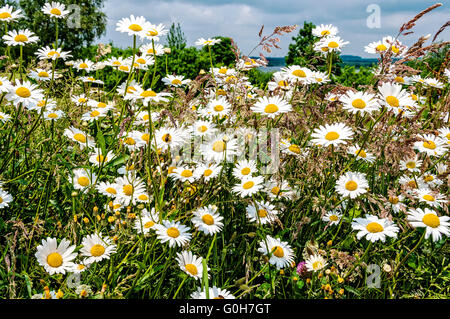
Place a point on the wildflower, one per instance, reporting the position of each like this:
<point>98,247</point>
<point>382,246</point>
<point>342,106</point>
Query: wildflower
<point>173,232</point>
<point>55,10</point>
<point>56,259</point>
<point>374,228</point>
<point>281,254</point>
<point>190,264</point>
<point>352,184</point>
<point>207,220</point>
<point>96,248</point>
<point>435,226</point>
<point>333,134</point>
<point>315,262</point>
<point>271,106</point>
<point>21,37</point>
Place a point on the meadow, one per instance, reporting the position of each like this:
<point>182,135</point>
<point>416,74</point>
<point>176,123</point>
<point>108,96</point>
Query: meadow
<point>213,186</point>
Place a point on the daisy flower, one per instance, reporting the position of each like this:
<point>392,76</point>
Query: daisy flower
<point>4,117</point>
<point>361,154</point>
<point>82,178</point>
<point>291,148</point>
<point>244,168</point>
<point>435,226</point>
<point>190,264</point>
<point>48,53</point>
<point>203,128</point>
<point>431,145</point>
<point>262,213</point>
<point>219,107</point>
<point>394,97</point>
<point>169,137</point>
<point>150,49</point>
<point>97,157</point>
<point>184,174</point>
<point>315,262</point>
<point>96,248</point>
<point>333,134</point>
<point>208,171</point>
<point>207,220</point>
<point>8,14</point>
<point>352,184</point>
<point>25,93</point>
<point>332,217</point>
<point>374,228</point>
<point>82,138</point>
<point>133,141</point>
<point>108,189</point>
<point>411,164</point>
<point>434,83</point>
<point>395,203</point>
<point>359,102</point>
<point>40,75</point>
<point>207,42</point>
<point>444,134</point>
<point>213,292</point>
<point>5,85</point>
<point>175,80</point>
<point>277,189</point>
<point>53,115</point>
<point>94,114</point>
<point>271,106</point>
<point>146,221</point>
<point>333,44</point>
<point>56,259</point>
<point>297,73</point>
<point>319,77</point>
<point>55,10</point>
<point>249,186</point>
<point>325,30</point>
<point>79,99</point>
<point>280,81</point>
<point>173,232</point>
<point>281,254</point>
<point>129,188</point>
<point>431,198</point>
<point>21,37</point>
<point>153,32</point>
<point>219,148</point>
<point>5,199</point>
<point>85,65</point>
<point>134,26</point>
<point>147,96</point>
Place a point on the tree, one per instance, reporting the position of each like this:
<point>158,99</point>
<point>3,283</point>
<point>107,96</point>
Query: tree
<point>301,51</point>
<point>85,23</point>
<point>221,52</point>
<point>176,40</point>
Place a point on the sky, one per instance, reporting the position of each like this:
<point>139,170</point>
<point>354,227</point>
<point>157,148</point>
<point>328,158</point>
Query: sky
<point>359,21</point>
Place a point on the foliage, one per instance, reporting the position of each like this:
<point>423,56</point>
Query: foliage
<point>355,77</point>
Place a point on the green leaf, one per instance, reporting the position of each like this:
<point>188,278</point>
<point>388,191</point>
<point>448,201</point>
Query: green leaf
<point>101,141</point>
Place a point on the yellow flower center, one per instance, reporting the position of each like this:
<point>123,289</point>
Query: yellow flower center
<point>149,224</point>
<point>218,108</point>
<point>299,73</point>
<point>150,51</point>
<point>392,101</point>
<point>176,82</point>
<point>374,227</point>
<point>55,11</point>
<point>186,173</point>
<point>148,93</point>
<point>97,250</point>
<point>128,190</point>
<point>173,232</point>
<point>207,172</point>
<point>202,129</point>
<point>20,38</point>
<point>152,32</point>
<point>146,137</point>
<point>141,61</point>
<point>135,27</point>
<point>143,197</point>
<point>82,100</point>
<point>130,141</point>
<point>23,92</point>
<point>208,219</point>
<point>83,66</point>
<point>43,74</point>
<point>359,104</point>
<point>283,83</point>
<point>83,181</point>
<point>412,184</point>
<point>53,115</point>
<point>101,105</point>
<point>431,220</point>
<point>275,190</point>
<point>399,79</point>
<point>294,148</point>
<point>317,265</point>
<point>428,178</point>
<point>80,137</point>
<point>100,158</point>
<point>54,260</point>
<point>331,136</point>
<point>393,200</point>
<point>429,198</point>
<point>245,171</point>
<point>395,49</point>
<point>333,44</point>
<point>361,153</point>
<point>278,252</point>
<point>411,165</point>
<point>192,269</point>
<point>248,185</point>
<point>324,32</point>
<point>381,47</point>
<point>167,138</point>
<point>95,113</point>
<point>111,190</point>
<point>271,108</point>
<point>219,146</point>
<point>123,68</point>
<point>351,186</point>
<point>429,144</point>
<point>334,218</point>
<point>262,213</point>
<point>5,15</point>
